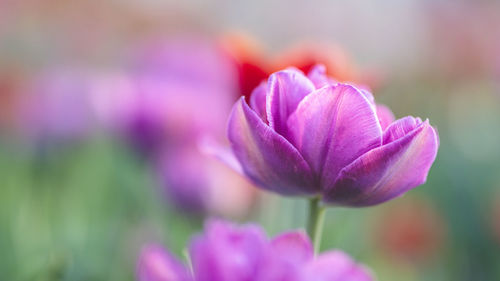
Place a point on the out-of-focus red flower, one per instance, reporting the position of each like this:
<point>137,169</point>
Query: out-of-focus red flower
<point>9,86</point>
<point>254,65</point>
<point>411,230</point>
<point>250,61</point>
<point>337,61</point>
<point>306,55</point>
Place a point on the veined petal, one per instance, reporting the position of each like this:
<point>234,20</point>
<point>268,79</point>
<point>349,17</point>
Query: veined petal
<point>293,246</point>
<point>211,147</point>
<point>285,91</point>
<point>387,171</point>
<point>318,76</point>
<point>331,128</point>
<point>335,266</point>
<point>368,95</point>
<point>258,100</point>
<point>385,116</point>
<point>266,157</point>
<point>400,128</point>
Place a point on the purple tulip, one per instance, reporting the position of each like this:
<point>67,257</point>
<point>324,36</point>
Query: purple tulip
<point>225,252</point>
<point>311,136</point>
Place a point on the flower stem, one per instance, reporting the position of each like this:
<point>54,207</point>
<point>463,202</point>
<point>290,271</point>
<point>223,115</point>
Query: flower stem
<point>315,222</point>
<point>185,252</point>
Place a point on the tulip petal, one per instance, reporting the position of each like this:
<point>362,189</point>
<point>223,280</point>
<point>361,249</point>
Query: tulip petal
<point>387,171</point>
<point>210,147</point>
<point>226,252</point>
<point>368,95</point>
<point>400,128</point>
<point>335,266</point>
<point>184,179</point>
<point>156,264</point>
<point>287,255</point>
<point>258,100</point>
<point>294,246</point>
<point>385,116</point>
<point>318,76</point>
<point>285,91</point>
<point>266,157</point>
<point>332,127</point>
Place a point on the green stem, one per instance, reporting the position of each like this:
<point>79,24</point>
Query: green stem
<point>185,252</point>
<point>315,223</point>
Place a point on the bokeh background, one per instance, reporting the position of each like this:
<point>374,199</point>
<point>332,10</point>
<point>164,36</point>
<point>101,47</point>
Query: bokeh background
<point>78,199</point>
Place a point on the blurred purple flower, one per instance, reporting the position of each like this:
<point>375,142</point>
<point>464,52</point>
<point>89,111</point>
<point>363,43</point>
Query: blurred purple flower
<point>311,136</point>
<point>164,96</point>
<point>179,92</point>
<point>229,253</point>
<point>200,183</point>
<point>55,105</point>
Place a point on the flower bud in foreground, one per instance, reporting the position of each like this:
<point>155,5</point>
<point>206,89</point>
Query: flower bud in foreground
<point>225,252</point>
<point>310,136</point>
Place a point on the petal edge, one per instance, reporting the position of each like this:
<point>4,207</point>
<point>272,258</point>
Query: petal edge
<point>388,171</point>
<point>266,157</point>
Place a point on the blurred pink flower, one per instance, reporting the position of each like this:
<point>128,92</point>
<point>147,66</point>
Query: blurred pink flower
<point>225,252</point>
